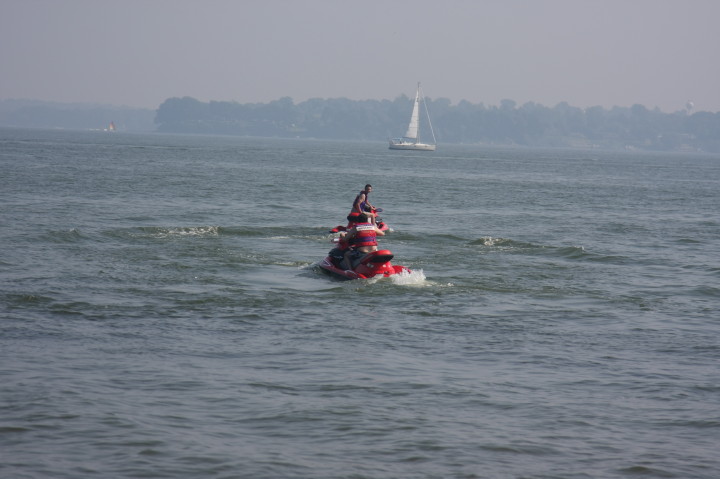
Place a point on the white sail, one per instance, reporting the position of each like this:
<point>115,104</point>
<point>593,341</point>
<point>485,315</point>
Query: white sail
<point>412,131</point>
<point>411,140</point>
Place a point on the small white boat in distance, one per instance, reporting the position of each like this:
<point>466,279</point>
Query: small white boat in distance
<point>411,140</point>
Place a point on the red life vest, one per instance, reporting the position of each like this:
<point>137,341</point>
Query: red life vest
<point>365,235</point>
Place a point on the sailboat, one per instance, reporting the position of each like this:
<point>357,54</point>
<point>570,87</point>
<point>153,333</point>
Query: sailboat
<point>411,140</point>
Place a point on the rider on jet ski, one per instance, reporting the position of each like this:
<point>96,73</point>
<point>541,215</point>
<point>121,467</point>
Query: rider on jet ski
<point>362,205</point>
<point>361,239</point>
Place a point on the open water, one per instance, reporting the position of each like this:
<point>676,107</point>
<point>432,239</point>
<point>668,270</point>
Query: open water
<point>162,314</point>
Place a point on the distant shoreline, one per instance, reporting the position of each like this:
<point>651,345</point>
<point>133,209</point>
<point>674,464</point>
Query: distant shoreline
<point>528,125</point>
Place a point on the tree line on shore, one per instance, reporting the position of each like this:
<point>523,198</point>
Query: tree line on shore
<point>530,124</point>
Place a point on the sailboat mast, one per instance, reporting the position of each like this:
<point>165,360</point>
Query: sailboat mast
<point>427,115</point>
<point>418,96</point>
<point>417,109</point>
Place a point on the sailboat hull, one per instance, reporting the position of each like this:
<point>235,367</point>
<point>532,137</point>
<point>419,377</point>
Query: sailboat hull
<point>401,145</point>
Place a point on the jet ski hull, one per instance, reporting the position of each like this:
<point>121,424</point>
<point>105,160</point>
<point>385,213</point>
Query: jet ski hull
<point>371,265</point>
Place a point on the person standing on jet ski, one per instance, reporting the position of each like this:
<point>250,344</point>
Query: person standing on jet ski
<point>362,205</point>
<point>362,239</point>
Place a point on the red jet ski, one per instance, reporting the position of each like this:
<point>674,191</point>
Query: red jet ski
<point>379,222</point>
<point>372,264</point>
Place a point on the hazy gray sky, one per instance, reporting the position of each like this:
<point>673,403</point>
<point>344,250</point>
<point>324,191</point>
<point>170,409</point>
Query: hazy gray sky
<point>141,52</point>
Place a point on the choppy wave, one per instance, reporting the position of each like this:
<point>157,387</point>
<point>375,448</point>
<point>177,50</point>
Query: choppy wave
<point>165,232</point>
<point>71,235</point>
<point>576,253</point>
<point>510,245</point>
